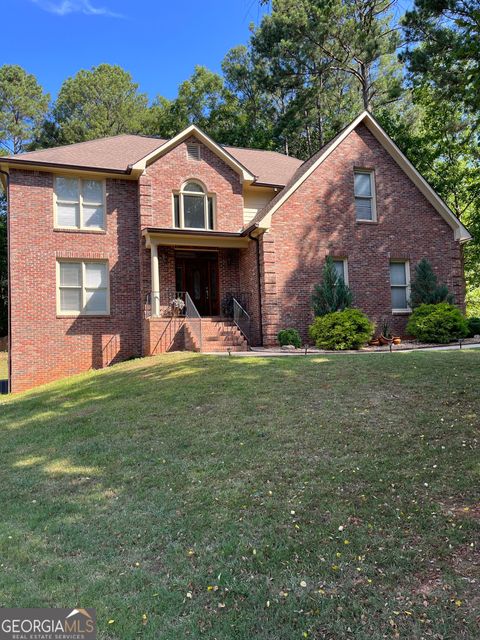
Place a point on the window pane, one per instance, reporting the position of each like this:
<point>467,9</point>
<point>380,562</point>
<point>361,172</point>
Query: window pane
<point>66,189</point>
<point>193,186</point>
<point>363,208</point>
<point>398,273</point>
<point>363,184</point>
<point>399,297</point>
<point>96,300</point>
<point>210,213</point>
<point>93,191</point>
<point>68,215</point>
<point>176,210</point>
<point>70,274</point>
<point>93,216</point>
<point>194,211</point>
<point>71,300</point>
<point>340,268</point>
<point>95,275</point>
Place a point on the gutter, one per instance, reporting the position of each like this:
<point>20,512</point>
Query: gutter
<point>9,302</point>
<point>260,311</point>
<point>53,165</point>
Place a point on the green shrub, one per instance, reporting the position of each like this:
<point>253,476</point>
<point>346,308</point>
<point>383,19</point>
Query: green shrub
<point>333,294</point>
<point>289,336</point>
<point>441,323</point>
<point>425,288</point>
<point>347,329</point>
<point>473,327</point>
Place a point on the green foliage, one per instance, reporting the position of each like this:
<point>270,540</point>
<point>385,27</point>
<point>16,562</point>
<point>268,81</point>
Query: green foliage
<point>103,101</point>
<point>445,49</point>
<point>425,288</point>
<point>440,323</point>
<point>23,108</point>
<point>332,294</point>
<point>348,329</point>
<point>473,302</point>
<point>473,327</point>
<point>289,336</point>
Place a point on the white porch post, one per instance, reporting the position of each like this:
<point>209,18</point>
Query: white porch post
<point>155,280</point>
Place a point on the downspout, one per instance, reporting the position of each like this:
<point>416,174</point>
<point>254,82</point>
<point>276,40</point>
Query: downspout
<point>7,193</point>
<point>259,287</point>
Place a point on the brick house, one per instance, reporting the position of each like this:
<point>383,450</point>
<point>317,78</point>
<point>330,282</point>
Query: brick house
<point>132,245</point>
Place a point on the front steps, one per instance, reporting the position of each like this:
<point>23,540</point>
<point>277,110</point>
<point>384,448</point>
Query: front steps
<point>218,335</point>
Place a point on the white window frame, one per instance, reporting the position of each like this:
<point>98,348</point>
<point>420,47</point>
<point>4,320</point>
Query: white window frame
<point>406,286</point>
<point>372,198</point>
<point>84,288</point>
<point>81,226</point>
<point>345,267</point>
<point>206,195</point>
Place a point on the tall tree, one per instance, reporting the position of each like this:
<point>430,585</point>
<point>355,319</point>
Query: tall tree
<point>23,108</point>
<point>103,101</point>
<point>444,49</point>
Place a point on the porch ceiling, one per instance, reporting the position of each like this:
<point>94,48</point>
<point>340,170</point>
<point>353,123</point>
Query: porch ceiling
<point>192,238</point>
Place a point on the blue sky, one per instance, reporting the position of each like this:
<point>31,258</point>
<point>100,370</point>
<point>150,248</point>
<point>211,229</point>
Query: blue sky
<point>157,41</point>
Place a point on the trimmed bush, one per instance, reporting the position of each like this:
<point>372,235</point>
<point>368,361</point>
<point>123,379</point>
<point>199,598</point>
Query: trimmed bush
<point>289,336</point>
<point>473,327</point>
<point>440,323</point>
<point>347,329</point>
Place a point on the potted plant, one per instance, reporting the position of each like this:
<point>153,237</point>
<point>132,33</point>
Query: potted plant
<point>177,305</point>
<point>386,335</point>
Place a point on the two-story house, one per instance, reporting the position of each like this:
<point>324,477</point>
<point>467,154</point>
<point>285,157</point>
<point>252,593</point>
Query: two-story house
<point>131,245</point>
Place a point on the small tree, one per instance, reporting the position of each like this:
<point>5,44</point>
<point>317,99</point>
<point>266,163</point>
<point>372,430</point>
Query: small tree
<point>333,294</point>
<point>425,287</point>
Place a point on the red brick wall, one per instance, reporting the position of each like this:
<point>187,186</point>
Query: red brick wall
<point>45,347</point>
<point>319,219</point>
<point>170,171</point>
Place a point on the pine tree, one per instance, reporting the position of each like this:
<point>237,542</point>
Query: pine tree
<point>332,294</point>
<point>425,288</point>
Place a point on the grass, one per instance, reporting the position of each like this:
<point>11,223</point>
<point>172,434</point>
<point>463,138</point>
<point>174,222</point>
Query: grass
<point>190,496</point>
<point>3,365</point>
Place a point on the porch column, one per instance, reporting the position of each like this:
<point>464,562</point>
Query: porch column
<point>155,280</point>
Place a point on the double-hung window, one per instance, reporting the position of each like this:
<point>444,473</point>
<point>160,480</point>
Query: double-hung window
<point>364,187</point>
<point>82,287</point>
<point>400,285</point>
<point>341,267</point>
<point>79,204</point>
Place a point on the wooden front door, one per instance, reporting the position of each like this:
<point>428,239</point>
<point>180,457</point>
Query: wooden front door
<point>197,274</point>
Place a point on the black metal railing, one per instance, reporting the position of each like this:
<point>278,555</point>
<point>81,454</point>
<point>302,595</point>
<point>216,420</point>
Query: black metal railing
<point>242,319</point>
<point>194,320</point>
<point>167,303</point>
<point>227,305</point>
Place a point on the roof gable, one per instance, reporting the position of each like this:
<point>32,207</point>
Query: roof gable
<point>192,130</point>
<point>263,218</point>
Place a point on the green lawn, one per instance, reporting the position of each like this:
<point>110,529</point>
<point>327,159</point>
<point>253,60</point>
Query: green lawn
<point>189,496</point>
<point>3,365</point>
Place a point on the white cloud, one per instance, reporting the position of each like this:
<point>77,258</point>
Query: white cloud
<point>64,7</point>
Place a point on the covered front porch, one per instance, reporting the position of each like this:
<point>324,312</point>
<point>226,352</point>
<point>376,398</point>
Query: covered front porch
<point>203,292</point>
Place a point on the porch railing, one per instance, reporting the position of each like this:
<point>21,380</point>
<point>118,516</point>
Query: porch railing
<point>194,320</point>
<point>241,319</point>
<point>227,304</point>
<point>167,303</point>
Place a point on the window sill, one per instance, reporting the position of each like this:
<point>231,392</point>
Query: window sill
<point>75,316</point>
<point>401,312</point>
<point>99,232</point>
<point>366,221</point>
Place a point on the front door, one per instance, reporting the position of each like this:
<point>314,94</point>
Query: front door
<point>197,274</point>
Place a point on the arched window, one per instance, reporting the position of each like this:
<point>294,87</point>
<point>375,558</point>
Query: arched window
<point>193,207</point>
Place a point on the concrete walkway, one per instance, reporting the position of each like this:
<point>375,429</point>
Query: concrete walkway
<point>265,353</point>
